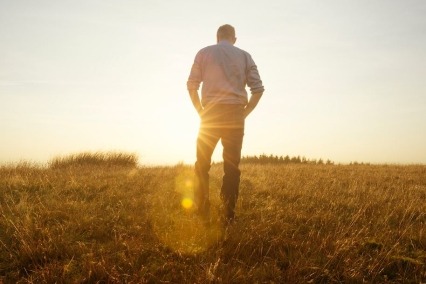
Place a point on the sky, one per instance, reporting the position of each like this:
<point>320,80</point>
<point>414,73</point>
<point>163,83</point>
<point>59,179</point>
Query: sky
<point>344,80</point>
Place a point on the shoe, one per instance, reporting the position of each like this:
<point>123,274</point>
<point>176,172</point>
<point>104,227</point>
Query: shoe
<point>204,214</point>
<point>228,214</point>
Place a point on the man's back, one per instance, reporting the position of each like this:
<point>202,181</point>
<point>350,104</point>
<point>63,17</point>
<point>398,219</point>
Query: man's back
<point>225,70</point>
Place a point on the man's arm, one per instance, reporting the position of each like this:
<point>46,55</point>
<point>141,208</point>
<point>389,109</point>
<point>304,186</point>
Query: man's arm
<point>255,84</point>
<point>254,99</point>
<point>195,98</point>
<point>193,83</point>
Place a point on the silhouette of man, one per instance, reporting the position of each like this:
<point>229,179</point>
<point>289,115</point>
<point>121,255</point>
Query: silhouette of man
<point>224,71</point>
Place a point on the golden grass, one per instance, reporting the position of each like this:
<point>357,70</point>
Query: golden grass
<point>95,159</point>
<point>296,224</point>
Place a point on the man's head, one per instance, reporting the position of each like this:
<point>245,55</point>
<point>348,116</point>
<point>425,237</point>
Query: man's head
<point>226,32</point>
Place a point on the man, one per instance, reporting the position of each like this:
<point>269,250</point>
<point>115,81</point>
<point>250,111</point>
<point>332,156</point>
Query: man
<point>224,71</point>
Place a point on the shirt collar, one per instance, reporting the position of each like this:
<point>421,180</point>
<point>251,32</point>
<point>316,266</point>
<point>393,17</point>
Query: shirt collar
<point>224,42</point>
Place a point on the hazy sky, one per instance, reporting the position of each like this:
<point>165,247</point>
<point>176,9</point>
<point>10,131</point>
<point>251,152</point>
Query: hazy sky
<point>344,80</point>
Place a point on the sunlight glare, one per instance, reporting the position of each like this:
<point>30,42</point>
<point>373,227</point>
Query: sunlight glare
<point>187,203</point>
<point>174,223</point>
<point>184,185</point>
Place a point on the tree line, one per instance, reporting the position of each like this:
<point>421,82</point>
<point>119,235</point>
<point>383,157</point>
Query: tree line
<point>274,159</point>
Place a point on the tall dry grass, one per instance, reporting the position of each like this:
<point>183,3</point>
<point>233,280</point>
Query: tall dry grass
<point>296,224</point>
<point>109,159</point>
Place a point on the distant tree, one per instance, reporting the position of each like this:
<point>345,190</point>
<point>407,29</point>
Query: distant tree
<point>295,160</point>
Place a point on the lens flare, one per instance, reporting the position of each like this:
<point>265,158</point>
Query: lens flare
<point>187,203</point>
<point>174,223</point>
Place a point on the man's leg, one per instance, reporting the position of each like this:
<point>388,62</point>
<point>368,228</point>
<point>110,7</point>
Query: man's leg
<point>206,142</point>
<point>232,141</point>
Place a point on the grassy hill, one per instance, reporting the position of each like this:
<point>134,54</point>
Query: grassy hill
<point>110,221</point>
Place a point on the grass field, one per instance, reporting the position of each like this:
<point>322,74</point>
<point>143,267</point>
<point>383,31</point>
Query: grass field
<point>111,221</point>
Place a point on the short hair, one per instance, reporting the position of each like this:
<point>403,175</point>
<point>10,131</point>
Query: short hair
<point>226,32</point>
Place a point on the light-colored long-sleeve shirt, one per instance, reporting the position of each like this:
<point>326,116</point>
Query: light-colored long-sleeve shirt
<point>224,71</point>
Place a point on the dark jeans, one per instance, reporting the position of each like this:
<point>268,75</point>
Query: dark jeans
<point>225,123</point>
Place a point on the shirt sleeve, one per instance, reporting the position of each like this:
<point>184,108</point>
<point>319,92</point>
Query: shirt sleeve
<point>253,78</point>
<point>195,77</point>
